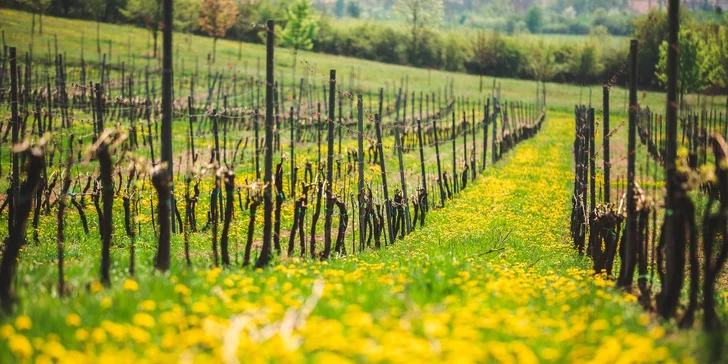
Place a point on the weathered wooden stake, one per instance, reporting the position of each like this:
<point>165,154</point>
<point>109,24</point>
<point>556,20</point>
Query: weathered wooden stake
<point>265,252</point>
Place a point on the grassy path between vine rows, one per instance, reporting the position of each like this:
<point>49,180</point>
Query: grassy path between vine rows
<point>490,278</point>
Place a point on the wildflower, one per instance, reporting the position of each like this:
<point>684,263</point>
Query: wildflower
<point>130,285</point>
<point>20,346</point>
<point>81,334</point>
<point>106,302</point>
<point>140,335</point>
<point>54,349</point>
<point>23,322</point>
<point>144,320</point>
<point>550,354</point>
<point>200,307</point>
<point>6,331</point>
<point>599,325</point>
<point>657,332</point>
<point>148,305</point>
<point>630,298</point>
<point>644,319</point>
<point>73,320</point>
<point>181,289</point>
<point>98,335</point>
<point>96,287</point>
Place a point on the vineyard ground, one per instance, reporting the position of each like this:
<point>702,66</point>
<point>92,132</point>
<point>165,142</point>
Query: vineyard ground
<point>467,285</point>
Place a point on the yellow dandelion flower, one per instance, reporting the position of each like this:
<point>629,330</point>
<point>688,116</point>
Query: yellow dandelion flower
<point>599,325</point>
<point>148,305</point>
<point>140,335</point>
<point>54,349</point>
<point>98,335</point>
<point>130,285</point>
<point>23,322</point>
<point>181,289</point>
<point>550,354</point>
<point>82,334</point>
<point>20,346</point>
<point>200,307</point>
<point>96,287</point>
<point>644,319</point>
<point>657,332</point>
<point>6,331</point>
<point>73,320</point>
<point>106,302</point>
<point>143,319</point>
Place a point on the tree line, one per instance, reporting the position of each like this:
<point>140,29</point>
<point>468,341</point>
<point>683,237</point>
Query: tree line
<point>418,41</point>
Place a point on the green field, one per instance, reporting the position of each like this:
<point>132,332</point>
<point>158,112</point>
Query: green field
<point>491,277</point>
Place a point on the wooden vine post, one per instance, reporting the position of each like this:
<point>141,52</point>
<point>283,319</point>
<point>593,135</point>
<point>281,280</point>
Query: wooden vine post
<point>166,221</point>
<point>329,165</point>
<point>422,166</point>
<point>486,116</point>
<point>387,205</point>
<point>494,146</point>
<point>265,252</point>
<point>360,162</point>
<point>675,219</point>
<point>161,182</point>
<point>629,248</point>
<point>605,143</point>
<point>107,196</point>
<point>14,242</point>
<point>15,124</point>
<point>398,145</point>
<point>439,165</point>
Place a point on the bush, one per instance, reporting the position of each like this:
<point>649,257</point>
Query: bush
<point>578,28</point>
<point>615,60</point>
<point>390,46</point>
<point>599,17</point>
<point>456,53</point>
<point>618,25</point>
<point>556,28</point>
<point>497,56</point>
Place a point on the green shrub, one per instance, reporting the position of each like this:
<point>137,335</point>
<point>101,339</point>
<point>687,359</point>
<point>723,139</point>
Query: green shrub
<point>498,56</point>
<point>619,25</point>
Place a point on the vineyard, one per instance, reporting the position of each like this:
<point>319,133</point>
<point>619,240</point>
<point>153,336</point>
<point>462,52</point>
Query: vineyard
<point>267,206</point>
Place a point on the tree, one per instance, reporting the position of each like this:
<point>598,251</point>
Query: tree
<point>534,19</point>
<point>147,14</point>
<point>600,17</point>
<point>651,31</point>
<point>216,18</point>
<point>97,8</point>
<point>353,9</point>
<point>717,65</point>
<point>301,29</point>
<point>583,63</point>
<point>40,7</point>
<point>421,15</point>
<point>542,66</point>
<point>340,8</point>
<point>542,63</point>
<point>692,73</point>
<point>186,15</point>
